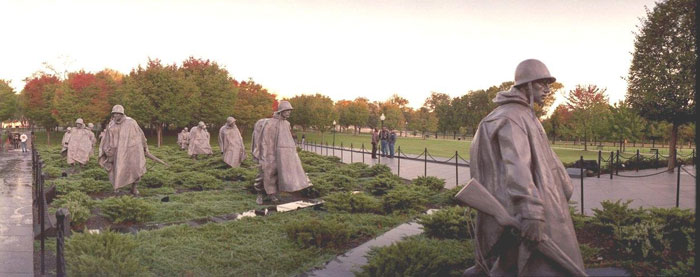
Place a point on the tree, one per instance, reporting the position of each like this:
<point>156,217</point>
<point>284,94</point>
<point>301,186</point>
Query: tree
<point>585,103</point>
<point>36,99</point>
<point>542,110</point>
<point>358,112</point>
<point>661,80</point>
<point>624,123</point>
<point>217,94</point>
<point>393,114</point>
<point>83,95</point>
<point>558,123</point>
<point>9,106</point>
<point>253,103</point>
<point>423,120</point>
<point>441,105</point>
<point>312,111</point>
<point>159,95</point>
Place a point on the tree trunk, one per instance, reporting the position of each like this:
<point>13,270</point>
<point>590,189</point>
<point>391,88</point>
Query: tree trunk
<point>48,137</point>
<point>159,133</point>
<point>672,148</point>
<point>585,142</point>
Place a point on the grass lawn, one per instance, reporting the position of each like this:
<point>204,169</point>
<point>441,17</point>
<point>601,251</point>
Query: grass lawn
<point>446,147</point>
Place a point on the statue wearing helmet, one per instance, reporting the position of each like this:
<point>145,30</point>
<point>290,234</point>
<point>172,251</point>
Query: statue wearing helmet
<point>183,139</point>
<point>122,150</point>
<point>274,149</point>
<point>199,141</point>
<point>510,155</point>
<point>78,144</point>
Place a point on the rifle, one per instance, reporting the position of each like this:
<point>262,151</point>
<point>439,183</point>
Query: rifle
<point>474,194</point>
<point>154,158</point>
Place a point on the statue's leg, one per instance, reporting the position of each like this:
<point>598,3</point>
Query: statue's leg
<point>259,186</point>
<point>135,191</point>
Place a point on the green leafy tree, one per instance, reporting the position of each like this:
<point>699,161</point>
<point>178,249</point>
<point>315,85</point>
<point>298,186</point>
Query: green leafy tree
<point>441,105</point>
<point>661,80</point>
<point>559,123</point>
<point>159,95</point>
<point>358,113</point>
<point>586,103</point>
<point>9,106</point>
<point>624,123</point>
<point>36,99</point>
<point>312,111</point>
<point>253,103</point>
<point>394,119</point>
<point>217,94</point>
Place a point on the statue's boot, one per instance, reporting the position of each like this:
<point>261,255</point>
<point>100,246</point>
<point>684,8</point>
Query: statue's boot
<point>473,271</point>
<point>259,199</point>
<point>273,198</point>
<point>134,191</point>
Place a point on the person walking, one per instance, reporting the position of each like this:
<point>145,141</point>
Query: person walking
<point>391,142</point>
<point>375,140</point>
<point>383,138</point>
<point>23,140</point>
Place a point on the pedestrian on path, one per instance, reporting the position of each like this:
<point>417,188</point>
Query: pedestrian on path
<point>392,141</point>
<point>384,137</point>
<point>375,140</point>
<point>23,140</point>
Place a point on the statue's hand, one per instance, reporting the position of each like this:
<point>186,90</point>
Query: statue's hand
<point>532,230</point>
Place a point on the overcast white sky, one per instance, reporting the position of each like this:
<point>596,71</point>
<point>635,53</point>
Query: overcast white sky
<point>343,49</point>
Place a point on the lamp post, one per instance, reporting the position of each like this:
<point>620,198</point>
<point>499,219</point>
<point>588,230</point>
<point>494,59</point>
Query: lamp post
<point>382,117</point>
<point>334,134</point>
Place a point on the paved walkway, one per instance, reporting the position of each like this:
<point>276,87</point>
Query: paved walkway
<point>16,233</point>
<point>653,191</point>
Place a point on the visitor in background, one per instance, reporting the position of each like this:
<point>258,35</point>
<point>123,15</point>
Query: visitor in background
<point>392,141</point>
<point>23,140</point>
<point>375,140</point>
<point>384,137</point>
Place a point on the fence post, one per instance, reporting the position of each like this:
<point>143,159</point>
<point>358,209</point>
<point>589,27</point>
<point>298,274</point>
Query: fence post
<point>611,164</point>
<point>600,157</point>
<point>637,163</point>
<point>582,184</point>
<point>42,218</point>
<point>678,185</point>
<point>326,148</point>
<point>398,168</point>
<point>363,152</point>
<point>617,164</point>
<point>334,148</point>
<point>456,168</point>
<point>656,165</point>
<point>425,162</point>
<point>351,152</point>
<point>61,216</point>
<point>341,151</point>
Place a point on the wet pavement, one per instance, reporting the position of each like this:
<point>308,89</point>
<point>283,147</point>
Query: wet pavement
<point>16,233</point>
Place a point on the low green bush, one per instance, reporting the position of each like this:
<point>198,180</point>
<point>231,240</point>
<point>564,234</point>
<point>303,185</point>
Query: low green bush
<point>449,223</point>
<point>445,197</point>
<point>126,209</point>
<point>96,174</point>
<point>64,185</point>
<point>93,186</point>
<point>79,213</point>
<point>75,196</point>
<point>431,182</point>
<point>352,202</point>
<point>326,183</point>
<point>319,233</point>
<point>377,169</point>
<point>678,226</point>
<point>198,181</point>
<point>104,254</point>
<point>382,183</point>
<point>419,256</point>
<point>406,199</point>
<point>157,179</point>
<point>52,171</point>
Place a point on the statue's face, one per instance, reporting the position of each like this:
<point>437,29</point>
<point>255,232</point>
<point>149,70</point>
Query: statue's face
<point>540,89</point>
<point>118,117</point>
<point>79,125</point>
<point>286,114</point>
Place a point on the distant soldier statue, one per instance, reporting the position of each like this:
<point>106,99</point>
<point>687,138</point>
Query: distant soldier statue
<point>91,128</point>
<point>511,158</point>
<point>78,144</point>
<point>231,143</point>
<point>199,141</point>
<point>273,148</point>
<point>123,150</point>
<point>64,141</point>
<point>183,139</point>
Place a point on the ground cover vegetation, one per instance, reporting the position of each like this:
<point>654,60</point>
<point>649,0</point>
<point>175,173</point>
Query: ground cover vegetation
<point>361,202</point>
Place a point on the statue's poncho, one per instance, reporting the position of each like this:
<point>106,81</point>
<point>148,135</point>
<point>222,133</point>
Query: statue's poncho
<point>511,157</point>
<point>64,140</point>
<point>125,143</point>
<point>183,139</point>
<point>93,141</point>
<point>276,152</point>
<point>199,142</point>
<point>79,146</point>
<point>231,144</point>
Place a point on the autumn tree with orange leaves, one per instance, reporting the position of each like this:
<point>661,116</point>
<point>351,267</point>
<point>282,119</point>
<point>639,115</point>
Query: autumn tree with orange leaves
<point>37,101</point>
<point>586,104</point>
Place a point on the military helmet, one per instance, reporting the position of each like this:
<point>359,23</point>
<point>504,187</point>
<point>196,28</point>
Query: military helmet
<point>284,105</point>
<point>91,125</point>
<point>532,70</point>
<point>230,119</point>
<point>118,109</point>
<point>79,121</point>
